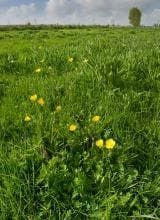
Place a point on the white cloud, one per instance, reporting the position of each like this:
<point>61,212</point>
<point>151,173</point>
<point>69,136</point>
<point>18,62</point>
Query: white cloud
<point>18,14</point>
<point>63,11</point>
<point>155,15</point>
<point>152,18</point>
<point>96,11</point>
<point>81,11</point>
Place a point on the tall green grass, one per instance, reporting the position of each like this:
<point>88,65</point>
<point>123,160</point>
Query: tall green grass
<point>48,172</point>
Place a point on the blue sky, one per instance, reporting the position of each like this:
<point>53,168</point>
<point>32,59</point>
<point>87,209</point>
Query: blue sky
<point>76,11</point>
<point>11,3</point>
<point>19,2</point>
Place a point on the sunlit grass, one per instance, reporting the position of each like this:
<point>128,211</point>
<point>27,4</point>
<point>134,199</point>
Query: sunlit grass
<point>79,124</point>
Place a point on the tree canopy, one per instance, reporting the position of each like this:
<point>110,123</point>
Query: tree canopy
<point>135,16</point>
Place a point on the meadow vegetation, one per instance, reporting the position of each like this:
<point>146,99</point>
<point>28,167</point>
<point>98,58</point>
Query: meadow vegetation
<point>80,124</point>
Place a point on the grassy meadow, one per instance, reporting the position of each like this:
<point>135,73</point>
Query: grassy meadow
<point>80,124</point>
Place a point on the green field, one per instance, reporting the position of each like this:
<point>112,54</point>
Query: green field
<point>48,171</point>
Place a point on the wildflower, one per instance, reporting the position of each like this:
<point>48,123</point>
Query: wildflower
<point>100,143</point>
<point>38,70</point>
<point>33,98</point>
<point>58,108</point>
<point>70,59</point>
<point>41,101</point>
<point>27,118</point>
<point>85,61</point>
<point>110,143</point>
<point>96,118</point>
<point>72,127</point>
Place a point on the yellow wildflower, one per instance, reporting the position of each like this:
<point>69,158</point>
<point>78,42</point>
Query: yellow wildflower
<point>72,127</point>
<point>58,108</point>
<point>100,143</point>
<point>110,143</point>
<point>27,118</point>
<point>96,118</point>
<point>85,61</point>
<point>38,70</point>
<point>33,98</point>
<point>41,101</point>
<point>70,59</point>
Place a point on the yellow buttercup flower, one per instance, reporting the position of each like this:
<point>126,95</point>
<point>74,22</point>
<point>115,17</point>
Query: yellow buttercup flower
<point>38,70</point>
<point>41,101</point>
<point>27,118</point>
<point>58,108</point>
<point>96,118</point>
<point>100,143</point>
<point>72,127</point>
<point>33,98</point>
<point>110,143</point>
<point>70,59</point>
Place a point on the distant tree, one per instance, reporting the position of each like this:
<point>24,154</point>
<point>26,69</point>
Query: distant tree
<point>135,17</point>
<point>28,23</point>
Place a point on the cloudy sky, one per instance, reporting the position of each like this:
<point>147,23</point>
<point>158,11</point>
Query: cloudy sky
<point>76,11</point>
